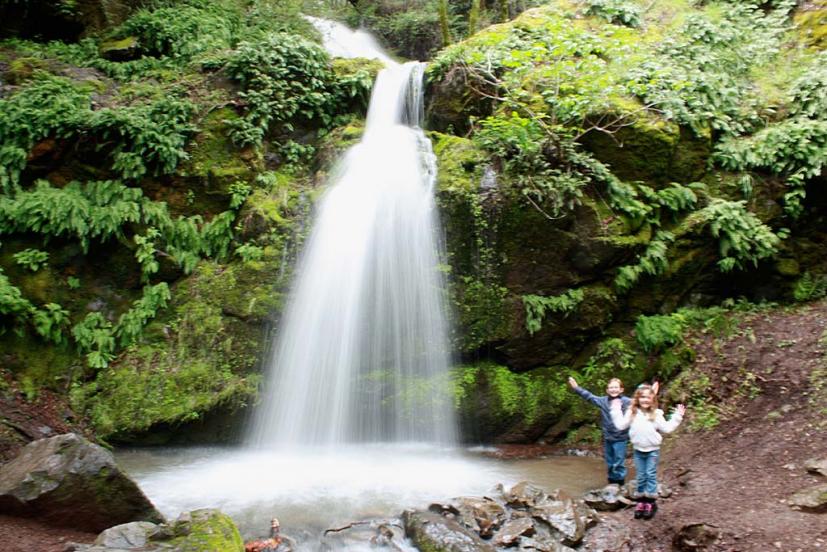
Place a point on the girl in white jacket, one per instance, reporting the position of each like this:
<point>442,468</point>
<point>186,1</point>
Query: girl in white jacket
<point>646,423</point>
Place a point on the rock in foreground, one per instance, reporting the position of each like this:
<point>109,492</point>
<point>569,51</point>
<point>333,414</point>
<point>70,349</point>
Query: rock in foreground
<point>198,531</point>
<point>68,481</point>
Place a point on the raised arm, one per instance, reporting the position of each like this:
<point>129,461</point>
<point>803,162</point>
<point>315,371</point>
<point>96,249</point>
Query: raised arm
<point>675,419</point>
<point>583,392</point>
<point>620,420</point>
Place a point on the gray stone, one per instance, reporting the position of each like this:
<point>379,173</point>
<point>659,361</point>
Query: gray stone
<point>607,499</point>
<point>481,515</point>
<point>816,465</point>
<point>813,499</point>
<point>609,535</point>
<point>569,519</point>
<point>525,495</point>
<point>435,533</point>
<point>694,536</point>
<point>68,481</point>
<point>512,531</point>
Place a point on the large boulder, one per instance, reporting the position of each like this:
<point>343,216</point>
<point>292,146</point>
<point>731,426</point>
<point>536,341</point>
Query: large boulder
<point>205,530</point>
<point>68,481</point>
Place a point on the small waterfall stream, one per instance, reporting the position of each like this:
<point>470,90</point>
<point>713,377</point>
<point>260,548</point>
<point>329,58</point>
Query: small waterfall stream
<point>362,353</point>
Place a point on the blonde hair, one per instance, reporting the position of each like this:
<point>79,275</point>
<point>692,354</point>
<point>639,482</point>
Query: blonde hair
<point>636,401</point>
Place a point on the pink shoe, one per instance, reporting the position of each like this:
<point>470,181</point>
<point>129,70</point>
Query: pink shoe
<point>640,509</point>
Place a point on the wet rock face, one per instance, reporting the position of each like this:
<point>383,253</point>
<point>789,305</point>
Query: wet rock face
<point>205,530</point>
<point>68,481</point>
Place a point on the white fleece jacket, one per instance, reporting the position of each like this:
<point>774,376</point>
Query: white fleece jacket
<point>644,433</point>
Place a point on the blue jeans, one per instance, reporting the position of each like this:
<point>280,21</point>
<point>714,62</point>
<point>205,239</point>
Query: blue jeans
<point>615,454</point>
<point>646,466</point>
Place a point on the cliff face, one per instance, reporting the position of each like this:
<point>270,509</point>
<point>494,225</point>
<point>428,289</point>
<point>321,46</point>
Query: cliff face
<point>596,167</point>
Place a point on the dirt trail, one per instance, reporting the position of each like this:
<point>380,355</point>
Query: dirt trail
<point>738,476</point>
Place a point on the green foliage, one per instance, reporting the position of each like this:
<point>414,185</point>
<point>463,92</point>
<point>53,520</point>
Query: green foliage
<point>655,333</point>
<point>12,303</point>
<point>795,148</point>
<point>621,12</point>
<point>653,261</point>
<point>32,259</point>
<point>249,252</point>
<point>145,253</point>
<point>742,237</point>
<point>536,307</point>
<point>95,338</point>
<point>810,287</point>
<point>50,107</point>
<point>282,76</point>
<point>146,138</point>
<point>182,30</point>
<point>132,322</point>
<point>612,358</point>
<point>50,322</point>
<point>702,76</point>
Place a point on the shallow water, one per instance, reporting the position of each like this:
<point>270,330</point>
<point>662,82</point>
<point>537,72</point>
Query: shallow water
<point>310,490</point>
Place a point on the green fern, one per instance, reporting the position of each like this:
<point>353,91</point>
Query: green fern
<point>536,307</point>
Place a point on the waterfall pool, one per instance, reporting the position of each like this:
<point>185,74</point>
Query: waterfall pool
<point>313,489</point>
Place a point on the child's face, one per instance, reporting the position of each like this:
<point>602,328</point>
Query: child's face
<point>614,389</point>
<point>645,399</point>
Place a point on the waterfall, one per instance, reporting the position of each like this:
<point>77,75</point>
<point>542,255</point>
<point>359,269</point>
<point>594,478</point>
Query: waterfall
<point>361,354</point>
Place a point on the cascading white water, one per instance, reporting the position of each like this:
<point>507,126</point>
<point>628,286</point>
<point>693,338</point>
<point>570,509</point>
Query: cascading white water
<point>362,354</point>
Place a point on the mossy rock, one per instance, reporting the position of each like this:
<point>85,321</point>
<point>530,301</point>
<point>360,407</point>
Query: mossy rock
<point>811,24</point>
<point>651,149</point>
<point>23,68</point>
<point>215,162</point>
<point>121,49</point>
<point>199,356</point>
<point>496,404</point>
<point>336,142</point>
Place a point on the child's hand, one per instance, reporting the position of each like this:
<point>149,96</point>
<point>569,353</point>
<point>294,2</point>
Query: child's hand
<point>655,387</point>
<point>680,409</point>
<point>572,383</point>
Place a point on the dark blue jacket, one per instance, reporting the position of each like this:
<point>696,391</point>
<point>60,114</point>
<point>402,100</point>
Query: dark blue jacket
<point>610,433</point>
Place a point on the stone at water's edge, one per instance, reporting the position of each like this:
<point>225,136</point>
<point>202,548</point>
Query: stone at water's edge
<point>816,465</point>
<point>813,499</point>
<point>205,530</point>
<point>607,499</point>
<point>431,532</point>
<point>68,481</point>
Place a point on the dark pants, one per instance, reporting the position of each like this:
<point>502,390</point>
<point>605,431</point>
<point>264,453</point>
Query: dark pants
<point>615,454</point>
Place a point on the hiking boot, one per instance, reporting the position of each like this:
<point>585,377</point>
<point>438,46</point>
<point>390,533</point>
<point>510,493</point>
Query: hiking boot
<point>640,509</point>
<point>650,510</point>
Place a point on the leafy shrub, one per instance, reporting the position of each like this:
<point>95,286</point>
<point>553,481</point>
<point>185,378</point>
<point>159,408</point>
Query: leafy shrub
<point>653,261</point>
<point>182,30</point>
<point>536,307</point>
<point>32,259</point>
<point>282,76</point>
<point>810,287</point>
<point>620,12</point>
<point>655,333</point>
<point>413,33</point>
<point>742,237</point>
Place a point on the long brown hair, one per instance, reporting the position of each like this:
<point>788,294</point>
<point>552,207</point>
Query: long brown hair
<point>636,401</point>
